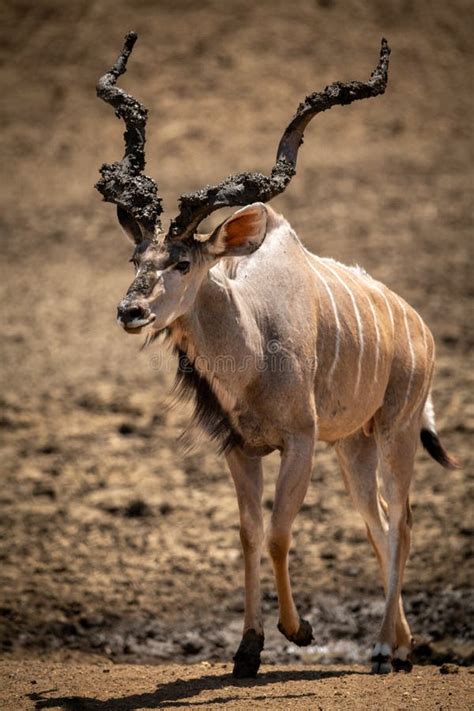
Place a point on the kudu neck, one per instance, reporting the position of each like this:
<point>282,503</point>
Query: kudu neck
<point>208,328</point>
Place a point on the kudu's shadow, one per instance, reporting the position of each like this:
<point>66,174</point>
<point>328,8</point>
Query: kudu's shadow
<point>173,694</point>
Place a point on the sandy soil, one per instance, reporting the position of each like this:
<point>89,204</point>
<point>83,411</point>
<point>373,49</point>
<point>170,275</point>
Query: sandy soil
<point>210,686</point>
<point>115,542</point>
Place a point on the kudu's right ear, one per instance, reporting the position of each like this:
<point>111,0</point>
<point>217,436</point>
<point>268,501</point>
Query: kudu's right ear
<point>129,225</point>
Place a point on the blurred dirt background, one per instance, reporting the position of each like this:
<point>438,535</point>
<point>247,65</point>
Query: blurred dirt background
<point>115,542</point>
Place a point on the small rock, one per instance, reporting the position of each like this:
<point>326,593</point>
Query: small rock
<point>192,644</point>
<point>44,489</point>
<point>48,448</point>
<point>165,508</point>
<point>88,622</point>
<point>138,509</point>
<point>449,669</point>
<point>126,429</point>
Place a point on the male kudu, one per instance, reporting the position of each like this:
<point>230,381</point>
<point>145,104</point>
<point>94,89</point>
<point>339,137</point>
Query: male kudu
<point>319,351</point>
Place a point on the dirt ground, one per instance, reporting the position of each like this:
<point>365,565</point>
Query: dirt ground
<point>116,544</point>
<point>104,687</point>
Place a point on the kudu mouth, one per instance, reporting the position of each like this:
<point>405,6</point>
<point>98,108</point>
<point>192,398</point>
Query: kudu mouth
<point>133,319</point>
<point>137,326</point>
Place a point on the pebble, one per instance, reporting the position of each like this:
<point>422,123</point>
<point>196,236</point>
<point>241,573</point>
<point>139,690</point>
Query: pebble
<point>449,669</point>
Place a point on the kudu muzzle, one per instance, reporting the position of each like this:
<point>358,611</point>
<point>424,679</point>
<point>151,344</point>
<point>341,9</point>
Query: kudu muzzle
<point>133,311</point>
<point>133,314</point>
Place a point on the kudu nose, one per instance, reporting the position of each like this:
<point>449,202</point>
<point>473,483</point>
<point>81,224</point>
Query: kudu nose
<point>128,313</point>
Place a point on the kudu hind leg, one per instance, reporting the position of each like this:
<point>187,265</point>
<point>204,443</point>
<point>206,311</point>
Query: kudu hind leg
<point>358,459</point>
<point>248,479</point>
<point>397,456</point>
<point>291,488</point>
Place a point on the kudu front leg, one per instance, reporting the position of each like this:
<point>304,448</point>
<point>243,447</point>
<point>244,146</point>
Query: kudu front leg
<point>291,487</point>
<point>248,479</point>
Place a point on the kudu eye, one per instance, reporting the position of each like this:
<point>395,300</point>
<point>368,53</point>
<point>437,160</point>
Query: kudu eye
<point>183,267</point>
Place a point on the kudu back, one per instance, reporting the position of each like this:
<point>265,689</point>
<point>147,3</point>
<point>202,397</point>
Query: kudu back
<point>280,349</point>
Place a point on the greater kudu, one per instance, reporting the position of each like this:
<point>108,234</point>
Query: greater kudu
<point>319,351</point>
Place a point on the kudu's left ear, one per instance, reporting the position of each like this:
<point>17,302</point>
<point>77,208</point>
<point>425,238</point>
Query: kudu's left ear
<point>240,234</point>
<point>129,225</point>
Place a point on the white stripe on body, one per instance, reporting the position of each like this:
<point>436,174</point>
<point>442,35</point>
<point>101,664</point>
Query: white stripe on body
<point>377,335</point>
<point>358,320</point>
<point>336,317</point>
<point>423,330</point>
<point>352,274</point>
<point>373,285</point>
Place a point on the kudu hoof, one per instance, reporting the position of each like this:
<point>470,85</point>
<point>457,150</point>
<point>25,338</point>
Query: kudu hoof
<point>303,637</point>
<point>401,660</point>
<point>381,664</point>
<point>247,657</point>
<point>402,665</point>
<point>382,658</point>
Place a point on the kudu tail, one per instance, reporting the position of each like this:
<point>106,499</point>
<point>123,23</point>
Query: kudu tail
<point>431,441</point>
